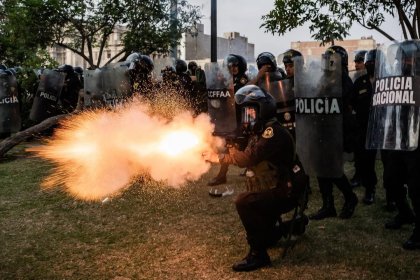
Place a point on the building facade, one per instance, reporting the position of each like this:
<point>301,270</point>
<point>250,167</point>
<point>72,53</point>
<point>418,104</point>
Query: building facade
<point>192,47</point>
<point>313,49</point>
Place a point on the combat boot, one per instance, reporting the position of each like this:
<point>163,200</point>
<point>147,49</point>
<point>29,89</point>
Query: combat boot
<point>327,210</point>
<point>399,221</point>
<point>349,207</point>
<point>254,260</point>
<point>218,180</point>
<point>413,243</point>
<point>369,196</point>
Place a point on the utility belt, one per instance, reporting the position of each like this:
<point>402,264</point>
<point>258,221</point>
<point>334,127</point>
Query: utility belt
<point>261,177</point>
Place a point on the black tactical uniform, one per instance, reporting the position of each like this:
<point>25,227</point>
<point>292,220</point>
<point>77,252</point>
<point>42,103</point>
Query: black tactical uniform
<point>326,183</point>
<point>140,69</point>
<point>405,165</point>
<point>362,98</point>
<point>274,179</point>
<point>199,87</point>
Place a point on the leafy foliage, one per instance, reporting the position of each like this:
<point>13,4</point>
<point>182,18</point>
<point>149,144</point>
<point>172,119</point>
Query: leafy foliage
<point>82,25</point>
<point>330,20</point>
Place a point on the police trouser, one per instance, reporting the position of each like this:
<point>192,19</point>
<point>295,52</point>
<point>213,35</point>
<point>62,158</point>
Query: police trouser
<point>365,163</point>
<point>405,168</point>
<point>326,187</point>
<point>259,212</point>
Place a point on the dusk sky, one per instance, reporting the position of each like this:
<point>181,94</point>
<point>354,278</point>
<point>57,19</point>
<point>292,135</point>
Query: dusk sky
<point>244,16</point>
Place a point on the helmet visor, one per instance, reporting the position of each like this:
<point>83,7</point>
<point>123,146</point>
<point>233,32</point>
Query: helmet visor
<point>249,116</point>
<point>247,94</point>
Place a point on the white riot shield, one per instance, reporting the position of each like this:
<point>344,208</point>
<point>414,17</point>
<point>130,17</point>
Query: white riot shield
<point>221,100</point>
<point>319,120</point>
<point>10,120</point>
<point>394,116</point>
<point>45,103</point>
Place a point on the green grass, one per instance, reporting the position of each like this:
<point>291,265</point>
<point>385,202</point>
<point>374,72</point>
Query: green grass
<point>156,232</point>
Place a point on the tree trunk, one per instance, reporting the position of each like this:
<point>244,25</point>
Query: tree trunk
<point>21,136</point>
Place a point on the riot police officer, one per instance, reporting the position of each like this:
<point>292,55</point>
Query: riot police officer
<point>326,183</point>
<point>274,178</point>
<point>183,83</point>
<point>364,159</point>
<point>237,66</point>
<point>271,79</point>
<point>140,69</point>
<point>267,67</point>
<point>359,60</point>
<point>290,57</point>
<point>199,87</point>
<point>404,158</point>
<point>70,93</point>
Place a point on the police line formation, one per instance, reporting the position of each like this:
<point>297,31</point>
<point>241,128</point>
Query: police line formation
<point>280,123</point>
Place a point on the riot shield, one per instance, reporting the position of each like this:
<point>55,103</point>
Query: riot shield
<point>319,120</point>
<point>10,120</point>
<point>45,103</point>
<point>160,65</point>
<point>394,116</point>
<point>282,91</point>
<point>221,100</point>
<point>108,85</point>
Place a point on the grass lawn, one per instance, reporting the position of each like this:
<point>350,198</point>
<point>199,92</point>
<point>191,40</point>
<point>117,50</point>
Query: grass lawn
<point>156,232</point>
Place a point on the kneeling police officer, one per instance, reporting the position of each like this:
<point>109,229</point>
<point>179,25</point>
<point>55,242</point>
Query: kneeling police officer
<point>275,180</point>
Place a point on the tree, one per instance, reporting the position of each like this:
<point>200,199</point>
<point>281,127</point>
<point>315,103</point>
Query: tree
<point>330,20</point>
<point>82,25</point>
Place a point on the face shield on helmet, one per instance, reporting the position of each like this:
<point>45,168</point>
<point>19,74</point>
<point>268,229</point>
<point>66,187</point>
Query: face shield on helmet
<point>370,59</point>
<point>236,64</point>
<point>257,107</point>
<point>267,58</point>
<point>291,59</point>
<point>406,57</point>
<point>329,53</point>
<point>133,60</point>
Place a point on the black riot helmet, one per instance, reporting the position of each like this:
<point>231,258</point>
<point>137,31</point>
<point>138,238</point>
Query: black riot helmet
<point>407,54</point>
<point>369,60</point>
<point>290,55</point>
<point>65,68</point>
<point>168,73</point>
<point>267,58</point>
<point>180,66</point>
<point>146,64</point>
<point>192,65</point>
<point>341,51</point>
<point>3,67</point>
<point>236,60</point>
<point>78,70</point>
<point>360,56</point>
<point>257,107</point>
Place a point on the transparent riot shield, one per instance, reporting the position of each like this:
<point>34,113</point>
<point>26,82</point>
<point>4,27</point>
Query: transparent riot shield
<point>282,91</point>
<point>10,120</point>
<point>319,120</point>
<point>108,86</point>
<point>160,65</point>
<point>394,116</point>
<point>45,103</point>
<point>221,100</point>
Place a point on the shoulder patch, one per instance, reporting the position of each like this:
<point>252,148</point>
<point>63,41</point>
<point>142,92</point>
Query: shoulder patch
<point>268,133</point>
<point>243,81</point>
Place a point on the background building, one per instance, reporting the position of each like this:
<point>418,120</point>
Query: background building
<point>194,46</point>
<point>313,49</point>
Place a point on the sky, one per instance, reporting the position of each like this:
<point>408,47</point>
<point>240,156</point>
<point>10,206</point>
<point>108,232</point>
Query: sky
<point>244,16</point>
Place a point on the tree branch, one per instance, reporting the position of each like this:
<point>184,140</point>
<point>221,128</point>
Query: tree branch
<point>21,136</point>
